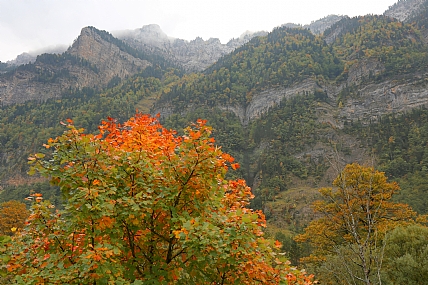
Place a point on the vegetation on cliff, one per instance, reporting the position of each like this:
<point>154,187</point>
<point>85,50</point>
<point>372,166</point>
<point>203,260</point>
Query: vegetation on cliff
<point>286,149</point>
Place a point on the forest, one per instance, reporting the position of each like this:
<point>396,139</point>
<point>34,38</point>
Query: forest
<point>118,196</point>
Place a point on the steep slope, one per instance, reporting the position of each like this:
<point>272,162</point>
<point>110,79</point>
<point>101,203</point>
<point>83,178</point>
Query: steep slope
<point>285,58</point>
<point>25,127</point>
<point>293,94</point>
<point>420,18</point>
<point>403,10</point>
<point>30,57</point>
<point>385,67</point>
<point>319,26</point>
<point>195,55</point>
<point>109,56</point>
<point>281,103</point>
<point>292,107</point>
<point>96,59</point>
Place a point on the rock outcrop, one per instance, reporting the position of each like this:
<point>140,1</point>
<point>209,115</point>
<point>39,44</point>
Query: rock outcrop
<point>364,69</point>
<point>396,95</point>
<point>403,10</point>
<point>23,58</point>
<point>195,55</point>
<point>259,105</point>
<point>21,85</point>
<point>319,26</point>
<point>30,57</point>
<point>109,59</point>
<point>90,62</point>
<point>263,101</point>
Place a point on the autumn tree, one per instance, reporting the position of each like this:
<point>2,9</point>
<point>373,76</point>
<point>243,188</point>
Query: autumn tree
<point>145,206</point>
<point>12,216</point>
<point>5,277</point>
<point>353,220</point>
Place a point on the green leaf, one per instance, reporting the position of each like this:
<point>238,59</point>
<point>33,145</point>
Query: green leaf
<point>39,155</point>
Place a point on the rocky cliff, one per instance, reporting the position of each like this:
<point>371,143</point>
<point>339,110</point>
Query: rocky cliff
<point>319,26</point>
<point>90,62</point>
<point>266,99</point>
<point>195,55</point>
<point>404,9</point>
<point>395,95</point>
<point>109,58</point>
<point>30,57</point>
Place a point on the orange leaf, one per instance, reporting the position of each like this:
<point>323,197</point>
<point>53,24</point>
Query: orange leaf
<point>235,166</point>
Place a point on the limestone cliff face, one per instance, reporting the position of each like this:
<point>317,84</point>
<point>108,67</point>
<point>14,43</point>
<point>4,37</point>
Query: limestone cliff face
<point>198,54</point>
<point>364,69</point>
<point>266,99</point>
<point>90,62</point>
<point>195,55</point>
<point>259,105</point>
<point>23,85</point>
<point>403,10</point>
<point>20,86</point>
<point>319,26</point>
<point>109,59</point>
<point>30,57</point>
<point>395,95</point>
<point>148,35</point>
<point>367,104</point>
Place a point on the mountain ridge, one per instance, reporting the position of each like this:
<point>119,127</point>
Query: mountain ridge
<point>90,61</point>
<point>281,103</point>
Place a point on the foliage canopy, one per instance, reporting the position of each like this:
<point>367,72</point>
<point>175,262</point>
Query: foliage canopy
<point>145,206</point>
<point>354,218</point>
<point>12,216</point>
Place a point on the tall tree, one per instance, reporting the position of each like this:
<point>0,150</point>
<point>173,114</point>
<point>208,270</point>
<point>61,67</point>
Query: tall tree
<point>12,216</point>
<point>353,219</point>
<point>145,206</point>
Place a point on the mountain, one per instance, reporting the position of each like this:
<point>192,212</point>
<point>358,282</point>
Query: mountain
<point>195,55</point>
<point>30,57</point>
<point>403,10</point>
<point>92,61</point>
<point>23,58</point>
<point>319,26</point>
<point>96,59</point>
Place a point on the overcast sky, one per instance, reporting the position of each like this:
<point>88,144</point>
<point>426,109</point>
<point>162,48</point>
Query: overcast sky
<point>29,25</point>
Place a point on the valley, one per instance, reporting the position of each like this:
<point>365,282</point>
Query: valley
<point>293,106</point>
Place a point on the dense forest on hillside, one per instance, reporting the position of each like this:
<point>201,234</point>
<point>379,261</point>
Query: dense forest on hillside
<point>398,46</point>
<point>283,57</point>
<point>25,127</point>
<point>270,148</point>
<point>287,151</point>
<point>401,152</point>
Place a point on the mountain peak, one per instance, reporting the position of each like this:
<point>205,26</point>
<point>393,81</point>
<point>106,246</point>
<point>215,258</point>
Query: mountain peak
<point>404,9</point>
<point>151,35</point>
<point>152,30</point>
<point>89,30</point>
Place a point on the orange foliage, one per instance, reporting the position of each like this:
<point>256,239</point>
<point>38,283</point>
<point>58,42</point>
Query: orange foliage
<point>143,203</point>
<point>12,217</point>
